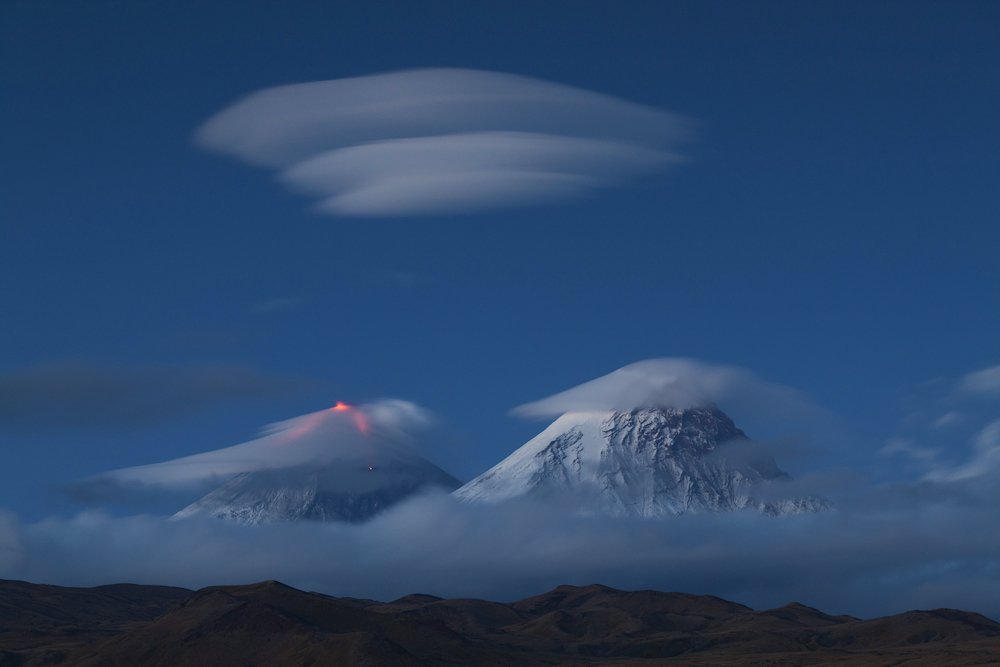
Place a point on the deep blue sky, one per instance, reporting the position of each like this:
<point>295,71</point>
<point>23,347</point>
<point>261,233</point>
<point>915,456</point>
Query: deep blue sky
<point>836,228</point>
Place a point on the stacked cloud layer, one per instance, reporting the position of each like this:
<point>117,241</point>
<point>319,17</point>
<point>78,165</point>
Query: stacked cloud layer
<point>435,141</point>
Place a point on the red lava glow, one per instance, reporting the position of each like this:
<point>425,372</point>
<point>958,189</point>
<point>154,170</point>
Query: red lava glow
<point>308,423</point>
<point>361,422</point>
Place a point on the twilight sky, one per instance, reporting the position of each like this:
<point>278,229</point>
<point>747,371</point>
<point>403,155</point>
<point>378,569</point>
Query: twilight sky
<point>804,190</point>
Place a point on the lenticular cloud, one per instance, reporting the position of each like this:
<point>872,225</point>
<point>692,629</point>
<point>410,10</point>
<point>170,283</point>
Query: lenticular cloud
<point>678,383</point>
<point>435,141</point>
<point>339,433</point>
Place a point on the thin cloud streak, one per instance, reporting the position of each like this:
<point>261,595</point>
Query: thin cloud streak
<point>963,442</point>
<point>985,459</point>
<point>87,396</point>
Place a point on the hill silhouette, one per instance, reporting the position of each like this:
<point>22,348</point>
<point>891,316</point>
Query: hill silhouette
<point>269,623</point>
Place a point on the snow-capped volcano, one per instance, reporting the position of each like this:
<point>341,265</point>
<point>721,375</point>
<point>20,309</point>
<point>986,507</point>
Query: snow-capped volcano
<point>338,491</point>
<point>648,462</point>
<point>342,464</point>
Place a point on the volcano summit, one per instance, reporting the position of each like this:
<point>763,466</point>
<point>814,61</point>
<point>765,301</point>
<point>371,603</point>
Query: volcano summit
<point>650,462</point>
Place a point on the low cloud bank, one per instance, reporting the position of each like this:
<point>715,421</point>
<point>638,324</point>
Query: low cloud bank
<point>431,141</point>
<point>897,548</point>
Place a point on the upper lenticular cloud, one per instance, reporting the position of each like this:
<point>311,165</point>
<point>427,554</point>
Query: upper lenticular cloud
<point>673,382</point>
<point>443,140</point>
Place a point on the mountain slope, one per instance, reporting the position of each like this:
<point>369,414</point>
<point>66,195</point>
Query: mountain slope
<point>41,624</point>
<point>342,464</point>
<point>648,462</point>
<point>338,491</point>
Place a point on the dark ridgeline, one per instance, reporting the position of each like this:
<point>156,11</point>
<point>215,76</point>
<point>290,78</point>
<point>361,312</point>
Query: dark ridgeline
<point>272,624</point>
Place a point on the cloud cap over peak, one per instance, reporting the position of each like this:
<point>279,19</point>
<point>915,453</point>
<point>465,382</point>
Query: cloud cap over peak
<point>383,428</point>
<point>430,141</point>
<point>672,382</point>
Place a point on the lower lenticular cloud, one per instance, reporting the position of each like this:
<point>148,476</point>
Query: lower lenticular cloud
<point>443,140</point>
<point>341,433</point>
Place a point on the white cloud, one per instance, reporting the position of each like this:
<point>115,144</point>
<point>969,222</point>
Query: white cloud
<point>951,428</point>
<point>443,140</point>
<point>881,555</point>
<point>985,459</point>
<point>984,381</point>
<point>909,449</point>
<point>674,382</point>
<point>947,419</point>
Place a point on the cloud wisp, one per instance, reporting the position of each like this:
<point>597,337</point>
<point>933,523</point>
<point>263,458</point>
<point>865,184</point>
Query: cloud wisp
<point>983,381</point>
<point>951,431</point>
<point>438,141</point>
<point>68,396</point>
<point>985,459</point>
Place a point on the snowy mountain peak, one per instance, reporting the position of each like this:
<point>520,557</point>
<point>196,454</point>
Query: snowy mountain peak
<point>644,462</point>
<point>340,464</point>
<point>337,491</point>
